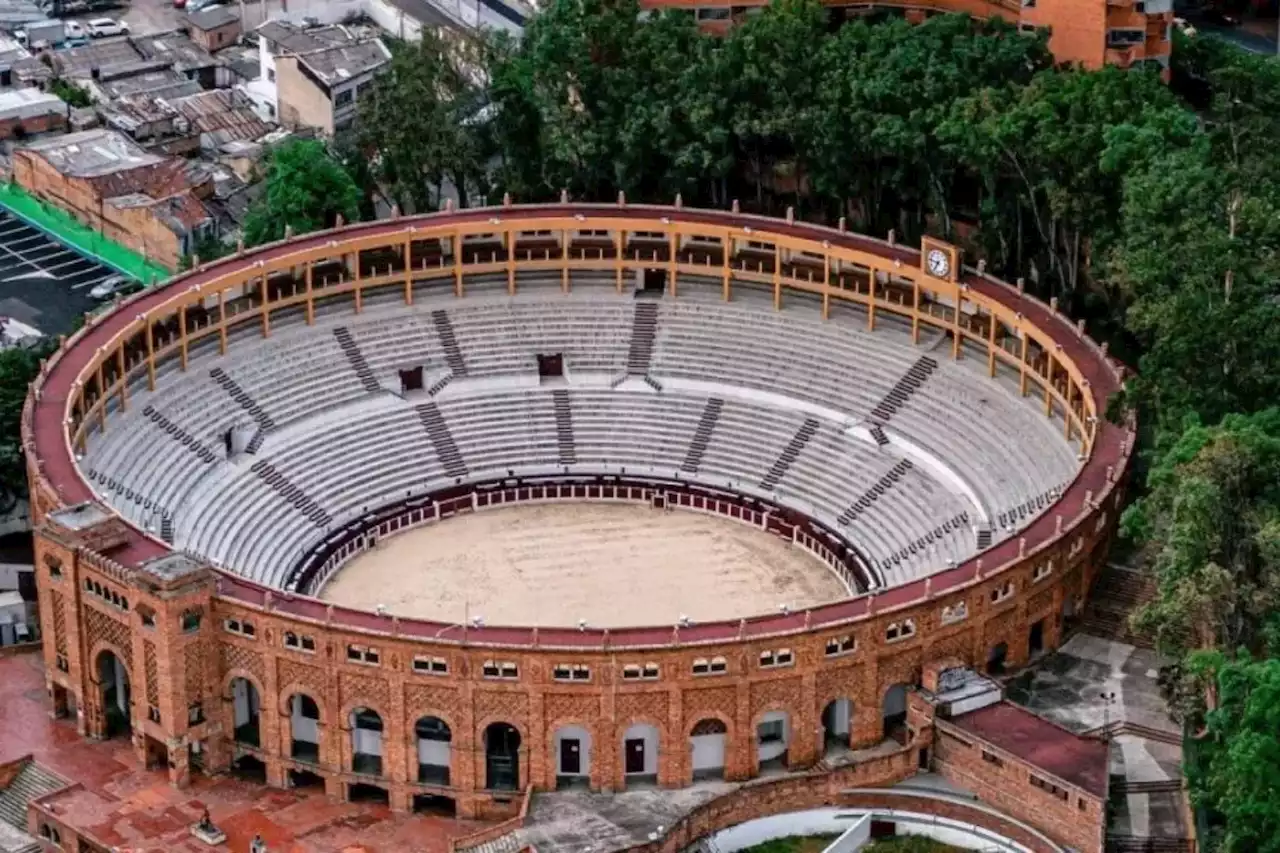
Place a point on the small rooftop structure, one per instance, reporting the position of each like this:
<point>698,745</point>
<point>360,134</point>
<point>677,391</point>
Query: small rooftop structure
<point>1077,760</point>
<point>93,153</point>
<point>80,516</point>
<point>15,13</point>
<point>28,103</point>
<point>213,17</point>
<point>288,37</point>
<point>163,83</point>
<point>336,64</point>
<point>105,59</point>
<point>176,49</point>
<point>174,566</point>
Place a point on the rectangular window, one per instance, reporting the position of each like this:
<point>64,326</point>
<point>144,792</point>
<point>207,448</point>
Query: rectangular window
<point>195,714</point>
<point>771,731</point>
<point>431,666</point>
<point>1125,38</point>
<point>500,669</point>
<point>1049,787</point>
<point>308,644</point>
<point>837,646</point>
<point>719,665</point>
<point>343,98</point>
<point>713,13</point>
<point>701,666</point>
<point>992,758</point>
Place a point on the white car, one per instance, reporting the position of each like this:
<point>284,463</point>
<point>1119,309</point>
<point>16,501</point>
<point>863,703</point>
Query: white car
<point>74,29</point>
<point>103,27</point>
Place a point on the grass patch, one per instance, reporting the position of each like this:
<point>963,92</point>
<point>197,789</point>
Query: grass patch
<point>794,844</point>
<point>911,844</point>
<point>67,229</point>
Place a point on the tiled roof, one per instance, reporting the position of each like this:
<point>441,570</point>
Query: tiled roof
<point>1076,760</point>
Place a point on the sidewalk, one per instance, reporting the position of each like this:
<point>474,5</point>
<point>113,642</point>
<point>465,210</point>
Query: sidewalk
<point>65,228</point>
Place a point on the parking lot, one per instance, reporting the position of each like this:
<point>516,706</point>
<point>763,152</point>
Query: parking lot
<point>42,282</point>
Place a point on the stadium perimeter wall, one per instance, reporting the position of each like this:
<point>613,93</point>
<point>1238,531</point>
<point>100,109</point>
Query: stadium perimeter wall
<point>170,633</point>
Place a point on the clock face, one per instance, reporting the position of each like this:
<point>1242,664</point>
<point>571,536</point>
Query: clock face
<point>939,263</point>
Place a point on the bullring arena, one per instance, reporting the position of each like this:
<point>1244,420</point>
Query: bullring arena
<point>449,508</point>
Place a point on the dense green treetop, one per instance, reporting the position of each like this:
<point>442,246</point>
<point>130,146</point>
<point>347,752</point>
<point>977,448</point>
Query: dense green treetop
<point>306,189</point>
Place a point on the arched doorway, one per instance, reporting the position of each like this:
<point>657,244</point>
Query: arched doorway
<point>773,737</point>
<point>707,747</point>
<point>894,710</point>
<point>640,754</point>
<point>572,755</point>
<point>837,721</point>
<point>113,677</point>
<point>366,742</point>
<point>304,728</point>
<point>246,712</point>
<point>501,757</point>
<point>434,750</point>
<point>996,658</point>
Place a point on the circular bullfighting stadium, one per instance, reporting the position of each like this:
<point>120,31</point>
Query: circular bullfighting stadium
<point>449,508</point>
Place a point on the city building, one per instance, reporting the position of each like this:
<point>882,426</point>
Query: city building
<point>214,27</point>
<point>28,112</point>
<point>147,202</point>
<point>313,76</point>
<point>1091,33</point>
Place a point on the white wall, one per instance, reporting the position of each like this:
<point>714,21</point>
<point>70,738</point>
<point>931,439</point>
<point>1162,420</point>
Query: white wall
<point>708,751</point>
<point>583,737</point>
<point>773,749</point>
<point>303,728</point>
<point>649,735</point>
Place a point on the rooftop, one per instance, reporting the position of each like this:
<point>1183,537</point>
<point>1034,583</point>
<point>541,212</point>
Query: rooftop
<point>176,48</point>
<point>288,37</point>
<point>1079,761</point>
<point>80,516</point>
<point>28,102</point>
<point>336,64</point>
<point>212,17</point>
<point>163,83</point>
<point>104,59</point>
<point>93,153</point>
<point>225,114</point>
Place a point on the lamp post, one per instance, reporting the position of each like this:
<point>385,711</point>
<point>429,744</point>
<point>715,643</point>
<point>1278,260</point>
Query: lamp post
<point>1108,698</point>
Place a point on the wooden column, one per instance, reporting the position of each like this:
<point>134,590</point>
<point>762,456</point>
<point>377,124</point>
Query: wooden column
<point>1048,385</point>
<point>266,307</point>
<point>124,383</point>
<point>777,277</point>
<point>1066,420</point>
<point>355,260</point>
<point>457,262</point>
<point>1022,365</point>
<point>726,271</point>
<point>509,246</point>
<point>673,252</point>
<point>222,322</point>
<point>915,311</point>
<point>871,301</point>
<point>309,275</point>
<point>564,255</point>
<point>826,286</point>
<point>151,355</point>
<point>991,344</point>
<point>408,272</point>
<point>182,336</point>
<point>102,401</point>
<point>619,245</point>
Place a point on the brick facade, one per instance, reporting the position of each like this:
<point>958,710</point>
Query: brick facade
<point>190,638</point>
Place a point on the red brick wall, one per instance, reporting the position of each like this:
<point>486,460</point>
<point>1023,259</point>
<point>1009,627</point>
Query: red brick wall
<point>1003,780</point>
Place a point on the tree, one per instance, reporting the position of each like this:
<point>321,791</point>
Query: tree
<point>19,366</point>
<point>1210,525</point>
<point>305,189</point>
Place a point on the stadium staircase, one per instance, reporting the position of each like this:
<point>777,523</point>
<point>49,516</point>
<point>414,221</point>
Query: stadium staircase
<point>1117,592</point>
<point>878,434</point>
<point>356,359</point>
<point>441,439</point>
<point>261,418</point>
<point>180,435</point>
<point>950,525</point>
<point>448,340</point>
<point>166,527</point>
<point>30,783</point>
<point>439,385</point>
<point>702,435</point>
<point>297,498</point>
<point>871,495</point>
<point>564,427</point>
<point>908,384</point>
<point>984,538</point>
<point>789,454</point>
<point>1028,508</point>
<point>644,328</point>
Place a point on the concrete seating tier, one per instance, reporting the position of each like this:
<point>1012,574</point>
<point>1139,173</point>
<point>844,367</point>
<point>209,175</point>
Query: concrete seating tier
<point>338,446</point>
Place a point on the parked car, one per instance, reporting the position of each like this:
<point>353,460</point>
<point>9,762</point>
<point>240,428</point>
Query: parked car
<point>103,27</point>
<point>116,285</point>
<point>74,30</point>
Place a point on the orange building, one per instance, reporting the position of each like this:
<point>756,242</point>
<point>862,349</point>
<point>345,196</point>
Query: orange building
<point>1091,33</point>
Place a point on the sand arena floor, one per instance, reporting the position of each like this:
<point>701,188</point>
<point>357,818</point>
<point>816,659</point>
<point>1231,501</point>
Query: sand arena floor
<point>611,564</point>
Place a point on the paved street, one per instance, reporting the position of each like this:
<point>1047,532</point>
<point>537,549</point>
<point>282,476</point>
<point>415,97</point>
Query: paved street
<point>158,16</point>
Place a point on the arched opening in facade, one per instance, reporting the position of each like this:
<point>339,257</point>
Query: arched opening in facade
<point>996,659</point>
<point>113,677</point>
<point>434,804</point>
<point>640,754</point>
<point>304,728</point>
<point>773,737</point>
<point>1035,638</point>
<point>707,742</point>
<point>363,792</point>
<point>246,712</point>
<point>305,779</point>
<point>366,742</point>
<point>434,750</point>
<point>572,745</point>
<point>894,712</point>
<point>837,722</point>
<point>501,757</point>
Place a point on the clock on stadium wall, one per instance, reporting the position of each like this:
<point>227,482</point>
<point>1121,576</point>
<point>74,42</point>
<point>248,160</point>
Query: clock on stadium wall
<point>938,259</point>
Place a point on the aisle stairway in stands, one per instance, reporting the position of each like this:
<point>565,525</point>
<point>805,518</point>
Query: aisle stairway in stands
<point>441,439</point>
<point>261,418</point>
<point>1117,592</point>
<point>357,360</point>
<point>564,427</point>
<point>644,328</point>
<point>789,454</point>
<point>448,340</point>
<point>901,392</point>
<point>702,435</point>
